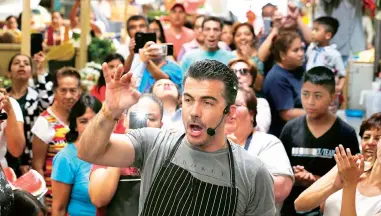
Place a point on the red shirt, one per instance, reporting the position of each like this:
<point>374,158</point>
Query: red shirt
<point>178,40</point>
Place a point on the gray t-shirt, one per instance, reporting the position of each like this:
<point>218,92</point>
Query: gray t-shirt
<point>254,182</point>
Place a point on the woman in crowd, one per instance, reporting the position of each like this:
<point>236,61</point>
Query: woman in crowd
<point>282,85</point>
<point>33,99</point>
<point>11,26</point>
<point>99,90</point>
<point>246,72</point>
<point>241,130</point>
<point>70,175</point>
<point>51,126</point>
<point>155,26</point>
<point>246,43</point>
<point>122,197</point>
<point>169,94</point>
<point>361,188</point>
<point>57,32</point>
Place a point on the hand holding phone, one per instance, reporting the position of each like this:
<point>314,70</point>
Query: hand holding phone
<point>142,38</point>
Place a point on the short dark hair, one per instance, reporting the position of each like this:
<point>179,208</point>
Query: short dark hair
<point>78,110</point>
<point>251,101</point>
<point>374,122</point>
<point>110,57</point>
<point>135,18</point>
<point>330,24</point>
<point>66,72</point>
<point>282,42</point>
<point>214,19</point>
<point>10,17</point>
<point>156,100</point>
<point>26,204</point>
<point>215,70</point>
<point>321,76</point>
<point>13,58</point>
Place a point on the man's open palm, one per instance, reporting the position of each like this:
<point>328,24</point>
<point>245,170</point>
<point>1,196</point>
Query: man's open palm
<point>120,91</point>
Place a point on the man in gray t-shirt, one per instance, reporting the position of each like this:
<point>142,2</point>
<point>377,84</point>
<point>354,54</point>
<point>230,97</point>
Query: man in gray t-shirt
<point>196,173</point>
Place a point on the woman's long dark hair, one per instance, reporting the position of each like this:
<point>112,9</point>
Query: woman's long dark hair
<point>162,36</point>
<point>78,110</point>
<point>109,58</point>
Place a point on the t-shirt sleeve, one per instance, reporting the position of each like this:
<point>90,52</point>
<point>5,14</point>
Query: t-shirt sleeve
<point>352,142</point>
<point>339,65</point>
<point>17,109</point>
<point>41,130</point>
<point>63,169</point>
<point>274,149</point>
<point>262,201</point>
<point>281,95</point>
<point>285,138</point>
<point>185,63</point>
<point>263,117</point>
<point>174,72</point>
<point>143,141</point>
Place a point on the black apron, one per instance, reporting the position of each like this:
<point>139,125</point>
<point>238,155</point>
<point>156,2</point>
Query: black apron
<point>126,198</point>
<point>175,191</point>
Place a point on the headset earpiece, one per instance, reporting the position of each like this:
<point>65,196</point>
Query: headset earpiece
<point>227,109</point>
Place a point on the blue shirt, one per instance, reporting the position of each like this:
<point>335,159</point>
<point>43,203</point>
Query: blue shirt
<point>170,68</point>
<point>282,89</point>
<point>69,169</point>
<point>220,55</point>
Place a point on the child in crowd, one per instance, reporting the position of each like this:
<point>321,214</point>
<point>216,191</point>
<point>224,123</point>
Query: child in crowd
<point>321,53</point>
<point>310,140</point>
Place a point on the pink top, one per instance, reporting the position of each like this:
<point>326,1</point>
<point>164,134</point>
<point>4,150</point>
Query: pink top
<point>178,40</point>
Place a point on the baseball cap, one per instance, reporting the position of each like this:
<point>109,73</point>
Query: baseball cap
<point>178,5</point>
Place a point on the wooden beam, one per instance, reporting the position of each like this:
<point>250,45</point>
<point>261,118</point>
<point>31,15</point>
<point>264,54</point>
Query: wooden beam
<point>85,30</point>
<point>26,27</point>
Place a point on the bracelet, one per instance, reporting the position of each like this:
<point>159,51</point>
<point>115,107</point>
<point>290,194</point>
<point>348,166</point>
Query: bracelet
<point>107,114</point>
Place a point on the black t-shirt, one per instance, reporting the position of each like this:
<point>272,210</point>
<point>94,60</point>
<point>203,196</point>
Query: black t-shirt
<point>315,154</point>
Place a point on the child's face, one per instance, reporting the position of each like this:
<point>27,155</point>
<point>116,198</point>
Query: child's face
<point>316,99</point>
<point>319,34</point>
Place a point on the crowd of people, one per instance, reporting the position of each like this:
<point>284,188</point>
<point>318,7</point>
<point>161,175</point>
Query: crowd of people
<point>237,121</point>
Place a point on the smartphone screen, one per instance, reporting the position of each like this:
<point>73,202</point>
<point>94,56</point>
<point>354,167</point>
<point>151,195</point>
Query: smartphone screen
<point>169,49</point>
<point>137,120</point>
<point>142,38</point>
<point>36,43</point>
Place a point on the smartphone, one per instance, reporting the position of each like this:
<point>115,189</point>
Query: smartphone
<point>36,41</point>
<point>3,116</point>
<point>137,120</point>
<point>142,38</point>
<point>169,49</point>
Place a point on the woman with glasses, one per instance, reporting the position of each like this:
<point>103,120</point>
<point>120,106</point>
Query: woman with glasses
<point>51,126</point>
<point>241,129</point>
<point>246,72</point>
<point>246,43</point>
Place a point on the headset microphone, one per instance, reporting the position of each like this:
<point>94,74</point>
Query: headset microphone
<point>211,131</point>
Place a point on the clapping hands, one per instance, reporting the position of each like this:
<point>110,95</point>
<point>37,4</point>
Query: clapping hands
<point>350,168</point>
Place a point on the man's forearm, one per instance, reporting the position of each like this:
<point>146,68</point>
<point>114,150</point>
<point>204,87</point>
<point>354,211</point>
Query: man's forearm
<point>95,138</point>
<point>155,71</point>
<point>305,30</point>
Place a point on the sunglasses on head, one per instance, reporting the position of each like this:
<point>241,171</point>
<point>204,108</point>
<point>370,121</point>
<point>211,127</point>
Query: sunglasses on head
<point>242,71</point>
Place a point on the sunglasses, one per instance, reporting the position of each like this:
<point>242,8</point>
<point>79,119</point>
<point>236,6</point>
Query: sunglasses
<point>243,71</point>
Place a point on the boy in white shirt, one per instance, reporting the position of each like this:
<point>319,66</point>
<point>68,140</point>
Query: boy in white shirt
<point>321,53</point>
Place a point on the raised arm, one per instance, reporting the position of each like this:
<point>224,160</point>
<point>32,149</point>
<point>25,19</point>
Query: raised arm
<point>97,145</point>
<point>44,85</point>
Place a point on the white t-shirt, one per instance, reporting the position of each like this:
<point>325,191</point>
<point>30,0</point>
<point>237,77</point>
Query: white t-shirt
<point>271,151</point>
<point>365,206</point>
<point>43,130</point>
<point>3,138</point>
<point>263,116</point>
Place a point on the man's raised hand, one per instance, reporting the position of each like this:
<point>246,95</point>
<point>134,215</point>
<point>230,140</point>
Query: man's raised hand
<point>120,91</point>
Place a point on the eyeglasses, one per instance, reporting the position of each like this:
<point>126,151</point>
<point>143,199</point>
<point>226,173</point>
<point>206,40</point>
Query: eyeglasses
<point>242,71</point>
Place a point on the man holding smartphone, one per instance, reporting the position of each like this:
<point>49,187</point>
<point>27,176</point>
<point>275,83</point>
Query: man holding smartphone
<point>156,66</point>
